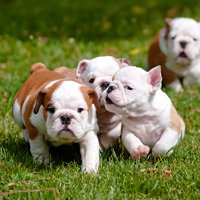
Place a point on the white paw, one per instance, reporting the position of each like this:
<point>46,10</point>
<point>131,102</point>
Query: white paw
<point>91,169</point>
<point>140,152</point>
<point>42,159</point>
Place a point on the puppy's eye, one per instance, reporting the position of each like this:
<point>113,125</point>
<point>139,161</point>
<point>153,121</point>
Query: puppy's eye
<point>80,110</point>
<point>128,87</point>
<point>50,109</point>
<point>195,39</point>
<point>173,37</point>
<point>91,80</point>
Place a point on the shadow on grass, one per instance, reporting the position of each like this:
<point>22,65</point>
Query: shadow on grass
<point>19,152</point>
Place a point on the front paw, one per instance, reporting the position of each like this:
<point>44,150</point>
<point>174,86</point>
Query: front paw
<point>90,169</point>
<point>140,152</point>
<point>42,159</point>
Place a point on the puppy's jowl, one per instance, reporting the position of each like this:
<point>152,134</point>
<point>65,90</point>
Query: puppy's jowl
<point>177,49</point>
<point>97,73</point>
<point>51,108</point>
<point>149,120</point>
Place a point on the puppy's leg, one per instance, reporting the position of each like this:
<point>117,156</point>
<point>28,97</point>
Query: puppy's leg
<point>109,138</point>
<point>26,135</point>
<point>89,149</point>
<point>175,85</point>
<point>39,149</point>
<point>134,145</point>
<point>166,143</point>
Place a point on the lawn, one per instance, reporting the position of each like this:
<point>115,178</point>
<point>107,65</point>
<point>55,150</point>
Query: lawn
<point>62,33</point>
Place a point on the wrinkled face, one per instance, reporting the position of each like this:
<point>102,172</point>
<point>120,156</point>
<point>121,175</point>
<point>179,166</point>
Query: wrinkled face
<point>67,111</point>
<point>183,41</point>
<point>97,73</point>
<point>130,90</point>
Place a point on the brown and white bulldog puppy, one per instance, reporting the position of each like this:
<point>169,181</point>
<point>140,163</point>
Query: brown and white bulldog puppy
<point>177,49</point>
<point>149,120</point>
<point>51,107</point>
<point>97,73</point>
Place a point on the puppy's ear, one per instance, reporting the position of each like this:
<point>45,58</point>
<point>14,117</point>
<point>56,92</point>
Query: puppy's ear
<point>39,101</point>
<point>124,62</point>
<point>168,24</point>
<point>155,78</point>
<point>94,97</point>
<point>82,66</point>
<point>36,67</point>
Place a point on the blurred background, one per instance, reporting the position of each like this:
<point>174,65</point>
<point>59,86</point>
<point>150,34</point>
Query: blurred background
<point>90,19</point>
<point>62,32</point>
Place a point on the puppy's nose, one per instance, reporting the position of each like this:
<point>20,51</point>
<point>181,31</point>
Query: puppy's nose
<point>111,88</point>
<point>183,44</point>
<point>104,85</point>
<point>65,119</point>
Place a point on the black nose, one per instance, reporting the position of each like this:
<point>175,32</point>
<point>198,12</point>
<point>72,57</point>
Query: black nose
<point>104,85</point>
<point>110,89</point>
<point>183,44</point>
<point>65,119</point>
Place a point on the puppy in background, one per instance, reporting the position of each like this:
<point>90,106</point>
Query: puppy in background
<point>97,73</point>
<point>52,108</point>
<point>149,120</point>
<point>176,48</point>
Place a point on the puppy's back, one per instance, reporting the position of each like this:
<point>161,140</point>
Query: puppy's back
<point>37,79</point>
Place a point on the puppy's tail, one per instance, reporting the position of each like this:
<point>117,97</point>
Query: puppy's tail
<point>36,67</point>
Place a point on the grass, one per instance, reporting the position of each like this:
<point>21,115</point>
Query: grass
<point>62,33</point>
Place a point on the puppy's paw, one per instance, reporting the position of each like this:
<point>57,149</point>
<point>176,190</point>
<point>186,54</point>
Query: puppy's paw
<point>140,152</point>
<point>41,159</point>
<point>90,169</point>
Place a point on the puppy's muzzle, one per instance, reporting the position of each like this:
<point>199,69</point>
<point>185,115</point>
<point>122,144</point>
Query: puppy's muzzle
<point>111,88</point>
<point>65,119</point>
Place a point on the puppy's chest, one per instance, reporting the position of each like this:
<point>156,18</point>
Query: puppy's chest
<point>107,121</point>
<point>148,130</point>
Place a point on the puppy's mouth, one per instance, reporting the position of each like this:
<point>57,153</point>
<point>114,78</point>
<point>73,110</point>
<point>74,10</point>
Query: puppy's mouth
<point>109,101</point>
<point>183,55</point>
<point>65,129</point>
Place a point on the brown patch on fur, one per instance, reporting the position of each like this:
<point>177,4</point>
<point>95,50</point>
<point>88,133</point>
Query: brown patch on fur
<point>31,88</point>
<point>90,97</point>
<point>46,94</point>
<point>168,23</point>
<point>175,121</point>
<point>105,120</point>
<point>69,73</point>
<point>36,67</point>
<point>27,113</point>
<point>156,57</point>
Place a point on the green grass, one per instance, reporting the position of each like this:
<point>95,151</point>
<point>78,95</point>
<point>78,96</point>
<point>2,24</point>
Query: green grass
<point>62,33</point>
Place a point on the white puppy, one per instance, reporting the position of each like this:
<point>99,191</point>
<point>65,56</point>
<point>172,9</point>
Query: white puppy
<point>51,108</point>
<point>149,120</point>
<point>97,73</point>
<point>177,49</point>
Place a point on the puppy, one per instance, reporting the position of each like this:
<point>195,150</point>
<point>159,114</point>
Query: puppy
<point>177,49</point>
<point>97,74</point>
<point>149,120</point>
<point>51,108</point>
